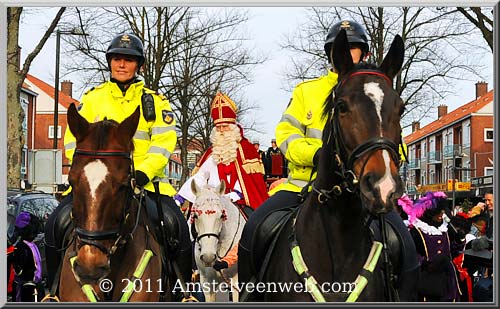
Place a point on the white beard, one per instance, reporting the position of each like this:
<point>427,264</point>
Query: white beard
<point>225,144</point>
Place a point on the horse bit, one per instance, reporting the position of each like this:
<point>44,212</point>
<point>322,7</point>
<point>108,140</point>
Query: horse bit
<point>92,238</point>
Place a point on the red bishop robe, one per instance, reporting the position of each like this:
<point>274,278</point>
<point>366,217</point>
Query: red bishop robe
<point>249,171</point>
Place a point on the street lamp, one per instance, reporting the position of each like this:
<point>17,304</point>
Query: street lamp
<point>74,31</point>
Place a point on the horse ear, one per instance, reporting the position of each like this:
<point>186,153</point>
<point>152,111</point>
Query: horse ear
<point>222,187</point>
<point>129,125</point>
<point>394,59</point>
<point>194,187</point>
<point>341,54</point>
<point>78,125</point>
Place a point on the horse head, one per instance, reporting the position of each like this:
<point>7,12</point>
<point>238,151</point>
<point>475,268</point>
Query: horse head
<point>364,122</point>
<point>100,177</point>
<point>207,216</point>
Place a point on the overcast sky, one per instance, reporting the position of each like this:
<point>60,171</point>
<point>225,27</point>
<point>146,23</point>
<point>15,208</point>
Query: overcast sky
<point>267,26</point>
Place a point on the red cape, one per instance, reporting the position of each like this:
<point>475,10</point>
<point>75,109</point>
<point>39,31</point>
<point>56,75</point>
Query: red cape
<point>250,172</point>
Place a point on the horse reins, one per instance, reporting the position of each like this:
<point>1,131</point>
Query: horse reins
<point>350,183</point>
<point>312,286</point>
<point>92,238</point>
<point>349,180</point>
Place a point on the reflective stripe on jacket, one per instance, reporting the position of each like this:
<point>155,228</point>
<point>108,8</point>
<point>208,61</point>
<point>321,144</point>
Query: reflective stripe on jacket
<point>299,132</point>
<point>154,141</point>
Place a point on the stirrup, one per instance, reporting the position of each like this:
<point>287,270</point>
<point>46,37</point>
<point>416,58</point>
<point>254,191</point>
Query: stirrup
<point>50,299</point>
<point>190,299</point>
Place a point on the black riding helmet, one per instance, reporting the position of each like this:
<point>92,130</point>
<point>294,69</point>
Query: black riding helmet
<point>126,44</point>
<point>356,34</point>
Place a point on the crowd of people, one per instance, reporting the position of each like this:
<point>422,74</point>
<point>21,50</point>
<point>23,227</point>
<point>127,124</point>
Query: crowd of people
<point>275,163</point>
<point>451,246</point>
<point>455,248</point>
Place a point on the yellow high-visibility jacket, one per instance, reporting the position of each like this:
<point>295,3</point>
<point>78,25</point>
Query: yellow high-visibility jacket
<point>299,132</point>
<point>154,141</point>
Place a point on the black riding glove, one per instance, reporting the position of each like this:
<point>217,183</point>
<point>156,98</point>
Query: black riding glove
<point>141,179</point>
<point>218,265</point>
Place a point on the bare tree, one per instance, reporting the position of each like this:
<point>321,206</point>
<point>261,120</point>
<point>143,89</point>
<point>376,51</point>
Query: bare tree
<point>438,50</point>
<point>482,18</point>
<point>15,79</point>
<point>190,54</point>
<point>211,59</point>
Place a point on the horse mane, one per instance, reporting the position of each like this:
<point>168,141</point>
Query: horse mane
<point>328,104</point>
<point>102,130</point>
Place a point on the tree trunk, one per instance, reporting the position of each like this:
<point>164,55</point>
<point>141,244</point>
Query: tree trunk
<point>15,138</point>
<point>15,79</point>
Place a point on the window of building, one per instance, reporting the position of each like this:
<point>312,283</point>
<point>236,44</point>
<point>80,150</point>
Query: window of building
<point>24,106</point>
<point>488,171</point>
<point>51,132</point>
<point>466,136</point>
<point>24,160</point>
<point>488,135</point>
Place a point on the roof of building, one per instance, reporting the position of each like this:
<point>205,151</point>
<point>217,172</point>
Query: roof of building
<point>450,117</point>
<point>64,99</point>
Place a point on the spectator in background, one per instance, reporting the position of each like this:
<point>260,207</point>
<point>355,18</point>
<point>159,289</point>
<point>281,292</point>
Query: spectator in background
<point>437,281</point>
<point>262,154</point>
<point>460,226</point>
<point>489,201</point>
<point>275,161</point>
<point>26,260</point>
<point>479,257</point>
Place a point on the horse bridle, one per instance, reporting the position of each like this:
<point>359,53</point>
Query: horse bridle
<point>349,181</point>
<point>92,238</point>
<point>197,237</point>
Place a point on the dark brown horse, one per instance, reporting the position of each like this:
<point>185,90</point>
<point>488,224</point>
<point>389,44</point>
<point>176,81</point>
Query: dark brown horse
<point>113,256</point>
<point>327,250</point>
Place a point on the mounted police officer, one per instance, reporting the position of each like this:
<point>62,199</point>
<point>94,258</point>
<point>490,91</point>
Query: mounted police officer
<point>154,141</point>
<point>299,137</point>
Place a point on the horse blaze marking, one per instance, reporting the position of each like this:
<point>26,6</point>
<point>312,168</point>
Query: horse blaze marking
<point>386,184</point>
<point>376,94</point>
<point>95,173</point>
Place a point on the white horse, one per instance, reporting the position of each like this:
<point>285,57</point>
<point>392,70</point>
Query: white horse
<point>216,226</point>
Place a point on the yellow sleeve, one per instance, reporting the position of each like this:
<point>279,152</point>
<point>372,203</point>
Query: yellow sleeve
<point>163,140</point>
<point>291,133</point>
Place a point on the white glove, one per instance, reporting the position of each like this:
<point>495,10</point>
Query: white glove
<point>233,196</point>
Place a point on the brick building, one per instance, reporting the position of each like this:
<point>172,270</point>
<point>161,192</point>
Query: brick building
<point>458,145</point>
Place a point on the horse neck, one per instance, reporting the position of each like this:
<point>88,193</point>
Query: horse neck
<point>333,236</point>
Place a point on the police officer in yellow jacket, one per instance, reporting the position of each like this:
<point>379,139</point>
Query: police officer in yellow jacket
<point>299,136</point>
<point>154,141</point>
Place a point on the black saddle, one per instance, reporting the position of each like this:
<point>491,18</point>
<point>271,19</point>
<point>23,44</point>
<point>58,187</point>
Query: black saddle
<point>171,225</point>
<point>394,243</point>
<point>265,235</point>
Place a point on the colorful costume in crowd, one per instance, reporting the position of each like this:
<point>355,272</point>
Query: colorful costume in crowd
<point>437,281</point>
<point>27,261</point>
